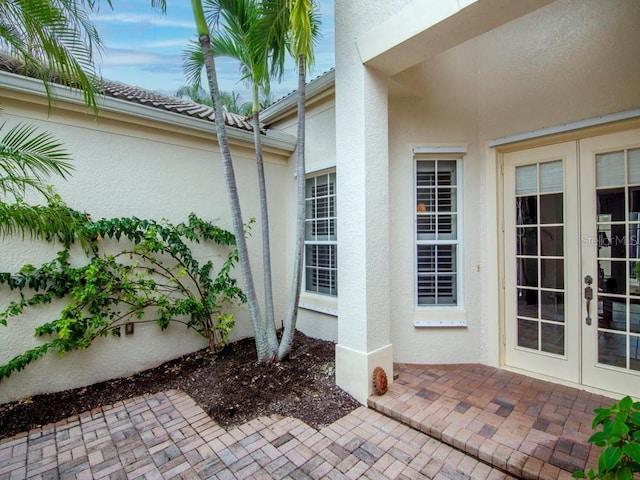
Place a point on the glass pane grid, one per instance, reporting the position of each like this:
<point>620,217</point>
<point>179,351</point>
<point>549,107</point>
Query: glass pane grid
<point>436,232</point>
<point>320,235</point>
<point>540,276</point>
<point>618,257</point>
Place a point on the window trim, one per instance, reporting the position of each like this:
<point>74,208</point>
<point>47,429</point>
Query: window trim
<point>310,175</point>
<point>440,154</point>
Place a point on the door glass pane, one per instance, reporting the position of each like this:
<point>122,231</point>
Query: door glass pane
<point>527,241</point>
<point>551,241</point>
<point>612,349</point>
<point>552,305</point>
<point>634,353</point>
<point>612,277</point>
<point>611,205</point>
<point>526,179</point>
<point>552,338</point>
<point>612,313</point>
<point>633,157</point>
<point>527,210</point>
<point>634,315</point>
<point>611,241</point>
<point>634,278</point>
<point>633,240</point>
<point>527,303</point>
<point>527,274</point>
<point>551,177</point>
<point>527,334</point>
<point>610,169</point>
<point>552,273</point>
<point>551,208</point>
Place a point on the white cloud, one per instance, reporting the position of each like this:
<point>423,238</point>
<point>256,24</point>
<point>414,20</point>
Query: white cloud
<point>143,19</point>
<point>117,56</point>
<point>176,42</point>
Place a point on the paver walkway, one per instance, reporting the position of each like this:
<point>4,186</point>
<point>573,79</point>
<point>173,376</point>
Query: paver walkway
<point>527,427</point>
<point>167,436</point>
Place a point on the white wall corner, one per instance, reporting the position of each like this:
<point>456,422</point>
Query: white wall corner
<point>354,369</point>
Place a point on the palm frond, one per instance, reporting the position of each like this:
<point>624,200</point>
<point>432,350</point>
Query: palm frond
<point>28,157</point>
<point>55,40</point>
<point>50,222</point>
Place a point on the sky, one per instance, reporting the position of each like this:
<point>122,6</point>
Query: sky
<point>144,48</point>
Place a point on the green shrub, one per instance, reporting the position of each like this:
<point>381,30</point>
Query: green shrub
<point>156,276</point>
<point>619,439</point>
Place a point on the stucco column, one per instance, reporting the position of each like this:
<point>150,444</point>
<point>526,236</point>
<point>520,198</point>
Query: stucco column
<point>362,159</point>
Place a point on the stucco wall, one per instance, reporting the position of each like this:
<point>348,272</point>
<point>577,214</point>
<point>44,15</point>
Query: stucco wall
<point>123,168</point>
<point>320,154</point>
<point>568,61</point>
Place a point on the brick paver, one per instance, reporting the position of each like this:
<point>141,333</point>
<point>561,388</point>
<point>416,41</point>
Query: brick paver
<point>527,427</point>
<point>168,436</point>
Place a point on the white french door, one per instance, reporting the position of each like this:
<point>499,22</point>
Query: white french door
<point>572,231</point>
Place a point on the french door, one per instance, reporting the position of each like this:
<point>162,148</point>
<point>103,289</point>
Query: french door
<point>572,261</point>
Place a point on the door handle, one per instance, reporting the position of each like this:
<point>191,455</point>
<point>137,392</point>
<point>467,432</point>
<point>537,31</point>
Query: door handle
<point>588,296</point>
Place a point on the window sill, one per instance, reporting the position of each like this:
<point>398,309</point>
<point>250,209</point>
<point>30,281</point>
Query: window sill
<point>319,303</point>
<point>440,318</point>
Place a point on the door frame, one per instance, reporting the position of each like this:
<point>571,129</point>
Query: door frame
<point>497,149</point>
<point>566,365</point>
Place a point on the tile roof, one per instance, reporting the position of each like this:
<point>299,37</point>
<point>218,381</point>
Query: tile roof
<point>146,97</point>
<point>165,102</point>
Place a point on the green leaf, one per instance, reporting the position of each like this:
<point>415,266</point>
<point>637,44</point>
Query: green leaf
<point>619,428</point>
<point>599,439</point>
<point>632,450</point>
<point>609,459</point>
<point>625,403</point>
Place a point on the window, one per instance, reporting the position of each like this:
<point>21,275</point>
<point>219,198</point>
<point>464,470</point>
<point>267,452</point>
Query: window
<point>437,232</point>
<point>321,267</point>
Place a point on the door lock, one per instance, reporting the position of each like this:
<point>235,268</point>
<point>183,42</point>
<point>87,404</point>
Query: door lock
<point>588,296</point>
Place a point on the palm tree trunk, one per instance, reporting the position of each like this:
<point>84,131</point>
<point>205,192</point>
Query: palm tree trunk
<point>264,212</point>
<point>292,314</point>
<point>262,347</point>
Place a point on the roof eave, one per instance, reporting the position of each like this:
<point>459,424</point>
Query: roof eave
<point>18,83</point>
<point>288,104</point>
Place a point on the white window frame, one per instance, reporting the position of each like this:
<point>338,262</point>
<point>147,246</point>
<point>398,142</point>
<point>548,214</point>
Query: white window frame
<point>440,154</point>
<point>316,241</point>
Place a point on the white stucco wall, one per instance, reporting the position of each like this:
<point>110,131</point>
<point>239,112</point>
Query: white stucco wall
<point>126,167</point>
<point>316,315</point>
<point>568,61</point>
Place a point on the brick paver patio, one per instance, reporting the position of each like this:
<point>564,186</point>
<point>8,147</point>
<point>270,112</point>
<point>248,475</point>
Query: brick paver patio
<point>437,422</point>
<point>527,427</point>
<point>168,436</point>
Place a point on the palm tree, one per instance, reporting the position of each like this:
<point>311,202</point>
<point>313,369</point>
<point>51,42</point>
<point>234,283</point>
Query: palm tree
<point>239,39</point>
<point>233,103</point>
<point>195,93</point>
<point>254,32</point>
<point>293,25</point>
<point>264,351</point>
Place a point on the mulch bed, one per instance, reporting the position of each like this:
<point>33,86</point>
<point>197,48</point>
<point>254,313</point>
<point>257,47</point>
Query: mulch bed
<point>231,386</point>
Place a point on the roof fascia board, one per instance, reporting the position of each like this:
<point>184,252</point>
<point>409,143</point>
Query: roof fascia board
<point>276,140</point>
<point>426,28</point>
<point>288,104</point>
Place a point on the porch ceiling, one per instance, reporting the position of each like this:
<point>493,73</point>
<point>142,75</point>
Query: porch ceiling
<point>429,27</point>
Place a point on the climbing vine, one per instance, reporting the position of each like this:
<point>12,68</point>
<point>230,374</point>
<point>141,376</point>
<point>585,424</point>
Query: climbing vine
<point>154,279</point>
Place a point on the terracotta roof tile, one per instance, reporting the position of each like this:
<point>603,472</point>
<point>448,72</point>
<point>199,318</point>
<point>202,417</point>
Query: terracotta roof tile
<point>164,102</point>
<point>147,97</point>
